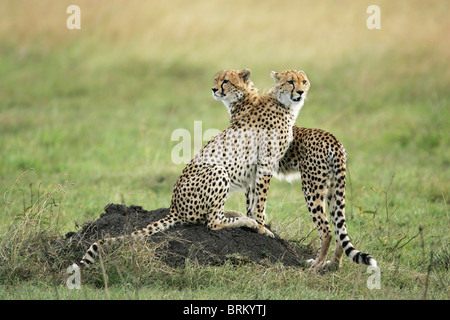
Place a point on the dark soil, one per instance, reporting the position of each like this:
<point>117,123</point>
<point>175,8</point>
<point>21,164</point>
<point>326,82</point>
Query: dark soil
<point>197,242</point>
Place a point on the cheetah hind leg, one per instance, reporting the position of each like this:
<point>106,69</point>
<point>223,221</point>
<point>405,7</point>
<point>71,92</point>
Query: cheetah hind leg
<point>221,221</point>
<point>235,219</point>
<point>217,217</point>
<point>320,262</point>
<point>233,214</point>
<point>316,209</point>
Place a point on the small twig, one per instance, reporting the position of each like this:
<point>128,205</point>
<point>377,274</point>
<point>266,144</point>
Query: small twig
<point>122,279</point>
<point>423,243</point>
<point>386,204</point>
<point>31,194</point>
<point>407,241</point>
<point>424,297</point>
<point>105,278</point>
<point>386,196</point>
<point>23,200</point>
<point>443,198</point>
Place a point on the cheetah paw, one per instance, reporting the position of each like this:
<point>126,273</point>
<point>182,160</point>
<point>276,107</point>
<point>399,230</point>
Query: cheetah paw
<point>315,264</point>
<point>265,231</point>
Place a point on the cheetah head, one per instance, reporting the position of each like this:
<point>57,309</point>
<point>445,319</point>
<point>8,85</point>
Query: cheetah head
<point>290,87</point>
<point>231,85</point>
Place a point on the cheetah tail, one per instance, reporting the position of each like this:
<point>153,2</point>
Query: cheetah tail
<point>355,255</point>
<point>154,227</point>
<point>337,208</point>
<point>93,251</point>
<point>338,214</point>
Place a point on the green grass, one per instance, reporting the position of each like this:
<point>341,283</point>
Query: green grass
<point>86,119</point>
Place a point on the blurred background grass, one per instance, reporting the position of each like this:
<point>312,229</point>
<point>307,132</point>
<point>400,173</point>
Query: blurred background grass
<point>92,110</point>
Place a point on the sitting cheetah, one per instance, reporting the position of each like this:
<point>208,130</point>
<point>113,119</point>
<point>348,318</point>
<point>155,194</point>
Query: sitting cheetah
<point>320,159</point>
<point>243,157</point>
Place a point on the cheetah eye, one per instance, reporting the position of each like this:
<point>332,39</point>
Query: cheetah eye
<point>291,82</point>
<point>225,81</point>
<point>305,82</point>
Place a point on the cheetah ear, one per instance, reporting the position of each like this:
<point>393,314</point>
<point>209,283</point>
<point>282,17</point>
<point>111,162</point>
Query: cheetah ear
<point>245,74</point>
<point>275,76</point>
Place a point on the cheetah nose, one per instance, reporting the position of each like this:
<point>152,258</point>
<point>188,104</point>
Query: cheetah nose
<point>214,90</point>
<point>300,92</point>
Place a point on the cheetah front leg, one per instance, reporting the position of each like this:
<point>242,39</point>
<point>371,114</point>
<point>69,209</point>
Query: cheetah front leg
<point>259,198</point>
<point>250,197</point>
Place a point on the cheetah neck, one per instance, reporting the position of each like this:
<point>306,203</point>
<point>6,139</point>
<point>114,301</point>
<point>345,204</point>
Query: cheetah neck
<point>293,109</point>
<point>243,105</point>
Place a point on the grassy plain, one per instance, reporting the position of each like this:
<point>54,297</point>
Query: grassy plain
<point>86,118</point>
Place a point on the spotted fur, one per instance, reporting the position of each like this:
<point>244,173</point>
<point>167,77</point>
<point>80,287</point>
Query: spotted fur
<point>320,160</point>
<point>241,158</point>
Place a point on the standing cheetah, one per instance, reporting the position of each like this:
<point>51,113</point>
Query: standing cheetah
<point>242,157</point>
<point>320,159</point>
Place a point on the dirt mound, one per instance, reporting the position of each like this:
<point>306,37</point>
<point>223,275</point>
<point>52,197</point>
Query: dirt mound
<point>197,242</point>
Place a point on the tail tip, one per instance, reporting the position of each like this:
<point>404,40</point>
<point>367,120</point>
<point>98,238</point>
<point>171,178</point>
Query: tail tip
<point>364,258</point>
<point>85,263</point>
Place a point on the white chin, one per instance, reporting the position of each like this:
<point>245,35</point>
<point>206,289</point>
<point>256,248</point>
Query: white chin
<point>296,101</point>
